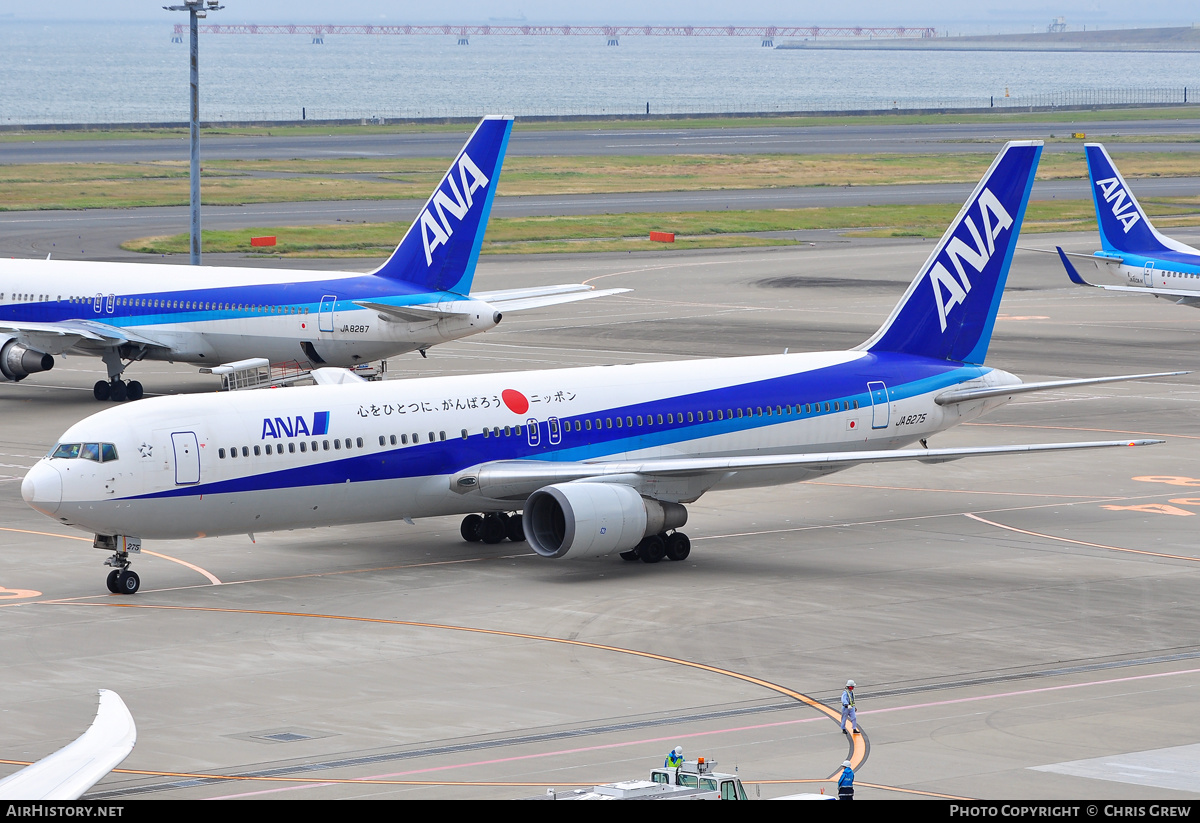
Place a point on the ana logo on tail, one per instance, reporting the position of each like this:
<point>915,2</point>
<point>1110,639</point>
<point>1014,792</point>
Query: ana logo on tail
<point>1122,203</point>
<point>949,291</point>
<point>436,232</point>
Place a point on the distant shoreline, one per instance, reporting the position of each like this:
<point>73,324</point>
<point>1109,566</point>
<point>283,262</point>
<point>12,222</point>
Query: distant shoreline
<point>1179,39</point>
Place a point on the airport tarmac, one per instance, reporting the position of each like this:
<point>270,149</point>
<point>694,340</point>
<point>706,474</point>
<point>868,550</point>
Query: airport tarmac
<point>544,139</point>
<point>1019,627</point>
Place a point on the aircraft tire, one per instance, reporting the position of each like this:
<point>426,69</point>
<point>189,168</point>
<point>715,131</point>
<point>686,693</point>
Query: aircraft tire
<point>494,528</point>
<point>678,546</point>
<point>118,391</point>
<point>101,390</point>
<point>651,549</point>
<point>471,528</point>
<point>134,390</point>
<point>516,532</point>
<point>629,555</point>
<point>128,582</point>
<point>112,581</point>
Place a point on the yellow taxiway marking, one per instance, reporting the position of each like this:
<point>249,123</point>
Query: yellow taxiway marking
<point>1082,542</point>
<point>858,742</point>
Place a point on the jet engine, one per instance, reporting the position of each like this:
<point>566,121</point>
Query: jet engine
<point>594,519</point>
<point>18,362</point>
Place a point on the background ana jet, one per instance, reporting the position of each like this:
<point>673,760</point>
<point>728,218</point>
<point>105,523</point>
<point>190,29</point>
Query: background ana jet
<point>1142,259</point>
<point>599,460</point>
<point>124,312</point>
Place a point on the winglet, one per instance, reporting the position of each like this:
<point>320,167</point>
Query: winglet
<point>1072,272</point>
<point>440,249</point>
<point>950,308</point>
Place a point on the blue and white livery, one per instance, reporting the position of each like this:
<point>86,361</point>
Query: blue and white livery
<point>597,460</point>
<point>1144,260</point>
<point>210,315</point>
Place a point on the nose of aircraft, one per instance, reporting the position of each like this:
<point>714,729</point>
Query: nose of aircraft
<point>42,488</point>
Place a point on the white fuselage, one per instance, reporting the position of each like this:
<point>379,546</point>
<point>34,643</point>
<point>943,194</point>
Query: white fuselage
<point>192,466</point>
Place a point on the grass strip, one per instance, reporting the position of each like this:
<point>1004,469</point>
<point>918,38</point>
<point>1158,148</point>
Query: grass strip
<point>619,232</point>
<point>228,182</point>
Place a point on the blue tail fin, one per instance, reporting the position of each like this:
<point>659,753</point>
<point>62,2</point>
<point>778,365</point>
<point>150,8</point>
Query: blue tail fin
<point>949,310</point>
<point>1124,227</point>
<point>440,249</point>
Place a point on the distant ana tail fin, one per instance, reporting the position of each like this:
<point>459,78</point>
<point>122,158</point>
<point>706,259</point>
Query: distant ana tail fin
<point>441,248</point>
<point>1124,226</point>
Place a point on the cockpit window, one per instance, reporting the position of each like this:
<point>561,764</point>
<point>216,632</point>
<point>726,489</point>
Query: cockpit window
<point>100,452</point>
<point>66,450</point>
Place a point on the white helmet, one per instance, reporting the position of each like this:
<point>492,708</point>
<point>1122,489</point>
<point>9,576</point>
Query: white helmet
<point>849,684</point>
<point>679,751</point>
<point>845,762</point>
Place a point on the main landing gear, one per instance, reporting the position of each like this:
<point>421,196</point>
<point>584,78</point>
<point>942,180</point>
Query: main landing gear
<point>673,546</point>
<point>117,390</point>
<point>122,579</point>
<point>492,527</point>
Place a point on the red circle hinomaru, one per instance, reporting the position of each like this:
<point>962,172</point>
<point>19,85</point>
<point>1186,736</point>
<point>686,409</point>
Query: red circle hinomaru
<point>516,402</point>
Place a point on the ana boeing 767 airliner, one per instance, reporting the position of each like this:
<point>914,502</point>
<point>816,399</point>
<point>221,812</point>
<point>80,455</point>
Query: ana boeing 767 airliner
<point>208,315</point>
<point>598,460</point>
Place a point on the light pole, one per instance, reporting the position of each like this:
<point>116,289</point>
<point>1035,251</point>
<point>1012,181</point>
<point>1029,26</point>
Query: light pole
<point>196,9</point>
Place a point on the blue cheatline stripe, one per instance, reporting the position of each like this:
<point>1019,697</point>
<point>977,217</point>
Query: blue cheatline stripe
<point>843,383</point>
<point>303,296</point>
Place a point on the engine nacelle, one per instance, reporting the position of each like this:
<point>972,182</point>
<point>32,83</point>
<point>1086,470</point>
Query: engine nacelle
<point>594,519</point>
<point>18,362</point>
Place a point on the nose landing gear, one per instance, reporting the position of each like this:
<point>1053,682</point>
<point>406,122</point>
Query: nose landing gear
<point>121,580</point>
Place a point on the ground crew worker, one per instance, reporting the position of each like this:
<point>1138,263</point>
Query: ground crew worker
<point>674,758</point>
<point>846,782</point>
<point>848,708</point>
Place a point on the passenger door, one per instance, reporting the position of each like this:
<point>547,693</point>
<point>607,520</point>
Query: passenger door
<point>187,458</point>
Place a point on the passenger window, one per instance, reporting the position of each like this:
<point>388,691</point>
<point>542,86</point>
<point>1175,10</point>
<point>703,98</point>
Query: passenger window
<point>245,451</point>
<point>292,448</point>
<point>268,448</point>
<point>382,441</point>
<point>464,434</point>
<point>221,453</point>
<point>337,445</point>
<point>324,445</point>
<point>257,451</point>
<point>233,452</point>
<point>393,440</point>
<point>303,446</point>
<point>404,439</point>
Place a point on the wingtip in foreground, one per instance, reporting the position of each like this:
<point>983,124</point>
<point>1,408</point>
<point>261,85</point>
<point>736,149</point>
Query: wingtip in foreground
<point>75,768</point>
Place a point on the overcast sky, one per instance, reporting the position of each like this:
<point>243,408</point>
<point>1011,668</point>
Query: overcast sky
<point>1018,15</point>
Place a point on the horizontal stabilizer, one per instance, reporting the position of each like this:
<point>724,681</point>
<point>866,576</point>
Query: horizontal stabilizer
<point>966,395</point>
<point>537,302</point>
<point>1187,298</point>
<point>424,313</point>
<point>75,768</point>
<point>519,478</point>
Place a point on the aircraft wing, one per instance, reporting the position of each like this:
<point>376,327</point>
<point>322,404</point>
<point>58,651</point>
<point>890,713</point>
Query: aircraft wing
<point>505,479</point>
<point>75,768</point>
<point>56,338</point>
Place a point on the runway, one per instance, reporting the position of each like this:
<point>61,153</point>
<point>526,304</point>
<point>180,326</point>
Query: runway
<point>545,140</point>
<point>1018,628</point>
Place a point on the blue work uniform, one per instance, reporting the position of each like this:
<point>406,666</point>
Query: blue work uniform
<point>848,710</point>
<point>846,784</point>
